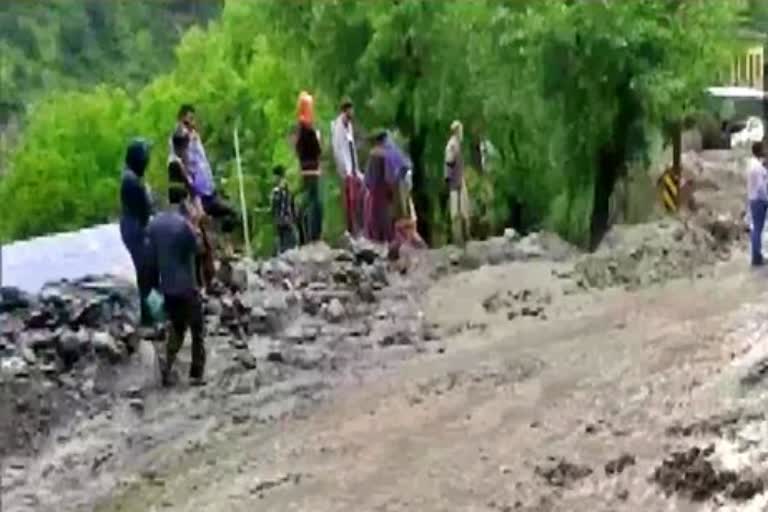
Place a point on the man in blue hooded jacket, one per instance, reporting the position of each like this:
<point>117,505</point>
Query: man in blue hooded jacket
<point>136,210</point>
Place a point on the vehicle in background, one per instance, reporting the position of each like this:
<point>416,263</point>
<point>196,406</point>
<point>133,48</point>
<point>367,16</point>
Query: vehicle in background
<point>753,131</point>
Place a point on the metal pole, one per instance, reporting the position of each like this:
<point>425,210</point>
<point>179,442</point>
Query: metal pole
<point>246,231</point>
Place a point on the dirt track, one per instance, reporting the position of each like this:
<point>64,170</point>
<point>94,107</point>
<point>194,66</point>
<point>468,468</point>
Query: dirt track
<point>473,427</point>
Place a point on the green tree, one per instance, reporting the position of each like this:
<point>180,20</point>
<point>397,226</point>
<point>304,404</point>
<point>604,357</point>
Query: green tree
<point>51,44</point>
<point>569,93</point>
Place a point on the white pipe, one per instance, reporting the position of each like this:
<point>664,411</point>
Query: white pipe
<point>246,231</point>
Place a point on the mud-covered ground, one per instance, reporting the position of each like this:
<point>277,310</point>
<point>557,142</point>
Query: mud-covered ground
<point>518,375</point>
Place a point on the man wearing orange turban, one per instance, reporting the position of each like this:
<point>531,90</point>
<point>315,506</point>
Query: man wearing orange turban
<point>308,151</point>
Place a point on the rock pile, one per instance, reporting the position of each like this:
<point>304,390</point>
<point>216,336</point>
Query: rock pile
<point>309,310</point>
<point>68,322</point>
<point>316,283</point>
<point>504,249</point>
<point>691,474</point>
<point>562,473</point>
<point>521,303</point>
<point>639,256</point>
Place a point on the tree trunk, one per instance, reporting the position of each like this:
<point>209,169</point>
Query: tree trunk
<point>612,162</point>
<point>421,197</point>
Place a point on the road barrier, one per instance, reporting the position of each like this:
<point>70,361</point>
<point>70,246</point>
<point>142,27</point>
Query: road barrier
<point>669,188</point>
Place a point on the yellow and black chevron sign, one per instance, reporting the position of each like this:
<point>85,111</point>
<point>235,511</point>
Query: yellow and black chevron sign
<point>670,190</point>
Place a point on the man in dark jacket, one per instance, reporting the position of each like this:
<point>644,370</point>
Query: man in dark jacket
<point>173,246</point>
<point>136,210</point>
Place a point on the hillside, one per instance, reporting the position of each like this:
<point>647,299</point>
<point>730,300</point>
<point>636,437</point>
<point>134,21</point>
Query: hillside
<point>61,44</point>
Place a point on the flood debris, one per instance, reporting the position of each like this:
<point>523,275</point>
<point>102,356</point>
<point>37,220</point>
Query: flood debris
<point>691,474</point>
<point>306,311</point>
<point>618,465</point>
<point>559,472</point>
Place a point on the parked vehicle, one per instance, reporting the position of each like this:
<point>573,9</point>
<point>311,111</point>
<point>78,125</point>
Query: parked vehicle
<point>753,132</point>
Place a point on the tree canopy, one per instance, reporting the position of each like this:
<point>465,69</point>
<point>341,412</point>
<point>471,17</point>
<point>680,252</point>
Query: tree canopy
<point>50,44</point>
<point>568,92</point>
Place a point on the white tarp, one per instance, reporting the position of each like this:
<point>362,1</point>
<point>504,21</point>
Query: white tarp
<point>30,264</point>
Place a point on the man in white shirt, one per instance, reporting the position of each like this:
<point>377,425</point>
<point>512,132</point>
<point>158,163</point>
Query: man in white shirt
<point>345,155</point>
<point>757,191</point>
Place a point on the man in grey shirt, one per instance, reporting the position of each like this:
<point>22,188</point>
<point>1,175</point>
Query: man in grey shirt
<point>173,245</point>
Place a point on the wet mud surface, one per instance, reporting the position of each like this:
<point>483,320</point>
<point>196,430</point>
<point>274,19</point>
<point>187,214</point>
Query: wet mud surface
<point>515,376</point>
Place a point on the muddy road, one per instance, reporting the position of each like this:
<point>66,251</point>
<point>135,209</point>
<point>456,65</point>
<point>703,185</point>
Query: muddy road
<point>575,411</point>
<point>536,384</point>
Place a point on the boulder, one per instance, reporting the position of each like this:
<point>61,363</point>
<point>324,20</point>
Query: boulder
<point>725,229</point>
<point>15,367</point>
<point>12,299</point>
<point>40,339</point>
<point>69,347</point>
<point>510,235</point>
<point>106,346</point>
<point>335,311</point>
<point>41,318</point>
<point>238,278</point>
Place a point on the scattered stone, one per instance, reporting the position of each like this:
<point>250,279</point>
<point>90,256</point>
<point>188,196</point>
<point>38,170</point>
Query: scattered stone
<point>40,319</point>
<point>241,417</point>
<point>510,235</point>
<point>134,392</point>
<point>238,278</point>
<point>366,293</point>
<point>69,347</point>
<point>28,355</point>
<point>137,404</point>
<point>617,466</point>
<point>238,343</point>
<point>692,475</point>
<point>745,490</point>
<point>49,369</point>
<point>756,374</point>
<point>335,311</point>
<point>265,484</point>
<point>105,345</point>
<point>561,473</point>
<point>493,303</point>
<point>275,353</point>
<point>247,360</point>
<point>12,299</point>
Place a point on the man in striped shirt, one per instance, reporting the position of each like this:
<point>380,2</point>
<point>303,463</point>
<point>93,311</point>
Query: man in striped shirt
<point>283,212</point>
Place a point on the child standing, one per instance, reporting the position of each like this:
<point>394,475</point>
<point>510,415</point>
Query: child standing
<point>283,212</point>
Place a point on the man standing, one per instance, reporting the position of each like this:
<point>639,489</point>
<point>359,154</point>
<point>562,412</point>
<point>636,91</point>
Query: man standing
<point>457,186</point>
<point>173,246</point>
<point>757,190</point>
<point>136,211</point>
<point>345,154</point>
<point>308,151</point>
<point>200,173</point>
<point>400,169</point>
<point>379,184</point>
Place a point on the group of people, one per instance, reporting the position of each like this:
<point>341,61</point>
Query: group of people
<point>172,251</point>
<point>377,199</point>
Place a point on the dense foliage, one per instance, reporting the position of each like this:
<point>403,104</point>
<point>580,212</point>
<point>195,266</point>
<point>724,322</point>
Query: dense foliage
<point>568,92</point>
<point>50,44</point>
<point>757,15</point>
